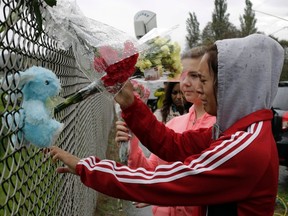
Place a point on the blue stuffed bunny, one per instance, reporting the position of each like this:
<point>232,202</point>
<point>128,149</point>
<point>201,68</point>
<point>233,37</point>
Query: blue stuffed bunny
<point>39,85</point>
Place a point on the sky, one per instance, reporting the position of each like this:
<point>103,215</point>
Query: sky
<point>120,14</point>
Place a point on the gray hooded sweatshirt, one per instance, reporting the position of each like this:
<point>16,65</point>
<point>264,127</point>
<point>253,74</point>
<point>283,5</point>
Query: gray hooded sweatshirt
<point>243,74</point>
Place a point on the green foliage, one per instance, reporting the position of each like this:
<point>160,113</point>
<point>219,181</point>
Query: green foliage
<point>51,3</point>
<point>34,9</point>
<point>248,20</point>
<point>220,26</point>
<point>220,19</point>
<point>192,27</point>
<point>208,34</point>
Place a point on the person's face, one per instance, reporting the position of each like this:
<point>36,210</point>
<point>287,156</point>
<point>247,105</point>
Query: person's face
<point>189,79</point>
<point>206,87</point>
<point>176,95</point>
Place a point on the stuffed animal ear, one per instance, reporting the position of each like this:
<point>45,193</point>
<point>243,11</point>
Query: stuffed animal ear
<point>25,77</point>
<point>20,79</point>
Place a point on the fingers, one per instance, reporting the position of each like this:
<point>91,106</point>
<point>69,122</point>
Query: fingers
<point>68,159</point>
<point>140,205</point>
<point>120,123</point>
<point>122,132</point>
<point>125,97</point>
<point>55,158</point>
<point>122,137</point>
<point>56,153</point>
<point>63,170</point>
<point>120,126</point>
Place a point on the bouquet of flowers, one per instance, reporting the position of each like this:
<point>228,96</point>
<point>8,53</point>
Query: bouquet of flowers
<point>118,68</point>
<point>163,55</point>
<point>140,91</point>
<point>107,56</point>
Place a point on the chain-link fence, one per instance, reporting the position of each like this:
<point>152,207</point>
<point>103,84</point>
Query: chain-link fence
<point>28,182</point>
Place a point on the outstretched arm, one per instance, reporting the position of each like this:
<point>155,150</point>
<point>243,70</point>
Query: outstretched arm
<point>200,180</point>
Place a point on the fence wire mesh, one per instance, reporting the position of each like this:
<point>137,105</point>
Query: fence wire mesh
<point>28,182</point>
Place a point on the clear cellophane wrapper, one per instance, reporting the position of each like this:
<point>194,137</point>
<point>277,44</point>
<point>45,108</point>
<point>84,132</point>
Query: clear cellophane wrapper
<point>103,53</point>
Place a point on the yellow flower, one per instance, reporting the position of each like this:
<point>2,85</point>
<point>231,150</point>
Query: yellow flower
<point>160,41</point>
<point>165,50</point>
<point>157,61</point>
<point>162,54</point>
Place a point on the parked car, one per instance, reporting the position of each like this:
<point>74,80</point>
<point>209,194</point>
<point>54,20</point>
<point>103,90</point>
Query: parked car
<point>280,122</point>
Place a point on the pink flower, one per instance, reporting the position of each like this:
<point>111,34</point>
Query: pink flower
<point>118,66</point>
<point>140,91</point>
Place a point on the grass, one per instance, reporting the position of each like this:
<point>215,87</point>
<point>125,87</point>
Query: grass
<point>282,199</point>
<point>23,184</point>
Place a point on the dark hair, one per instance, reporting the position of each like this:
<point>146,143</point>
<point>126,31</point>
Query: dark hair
<point>168,102</point>
<point>212,60</point>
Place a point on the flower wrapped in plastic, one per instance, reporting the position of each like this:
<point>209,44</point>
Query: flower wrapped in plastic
<point>161,56</point>
<point>143,93</point>
<point>106,55</point>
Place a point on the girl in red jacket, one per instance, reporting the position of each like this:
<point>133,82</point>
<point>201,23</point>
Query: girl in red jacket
<point>233,167</point>
<point>195,119</point>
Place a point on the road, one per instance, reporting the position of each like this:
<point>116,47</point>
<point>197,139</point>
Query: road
<point>283,177</point>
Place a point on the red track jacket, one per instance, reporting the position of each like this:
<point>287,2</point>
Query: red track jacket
<point>236,174</point>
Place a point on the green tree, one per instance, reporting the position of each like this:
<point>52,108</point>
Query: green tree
<point>232,32</point>
<point>220,19</point>
<point>208,34</point>
<point>192,27</point>
<point>248,20</point>
<point>220,27</point>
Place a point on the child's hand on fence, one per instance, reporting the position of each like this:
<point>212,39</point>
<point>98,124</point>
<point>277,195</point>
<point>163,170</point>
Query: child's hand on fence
<point>68,159</point>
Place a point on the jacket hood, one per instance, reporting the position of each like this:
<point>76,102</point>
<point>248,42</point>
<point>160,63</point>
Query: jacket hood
<point>248,75</point>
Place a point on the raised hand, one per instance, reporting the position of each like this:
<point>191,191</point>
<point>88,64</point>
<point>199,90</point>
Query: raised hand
<point>125,97</point>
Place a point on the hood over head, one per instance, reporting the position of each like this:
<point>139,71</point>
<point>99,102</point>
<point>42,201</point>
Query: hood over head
<point>248,75</point>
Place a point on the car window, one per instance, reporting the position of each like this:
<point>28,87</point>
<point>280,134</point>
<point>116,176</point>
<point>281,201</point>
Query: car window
<point>281,99</point>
